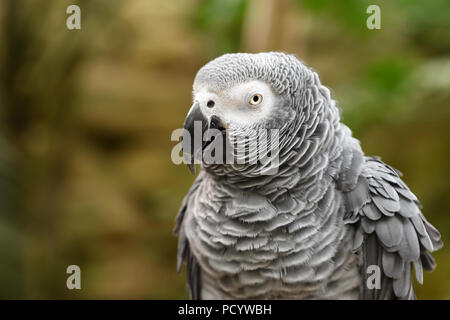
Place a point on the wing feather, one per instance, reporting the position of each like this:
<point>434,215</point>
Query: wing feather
<point>184,252</point>
<point>390,231</point>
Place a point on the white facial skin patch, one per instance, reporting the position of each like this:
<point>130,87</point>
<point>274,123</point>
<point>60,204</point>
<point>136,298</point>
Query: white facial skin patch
<point>241,105</point>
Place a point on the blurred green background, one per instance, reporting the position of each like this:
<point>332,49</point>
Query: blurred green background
<point>86,118</point>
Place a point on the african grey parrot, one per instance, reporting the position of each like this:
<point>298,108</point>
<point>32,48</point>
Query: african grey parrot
<point>318,227</point>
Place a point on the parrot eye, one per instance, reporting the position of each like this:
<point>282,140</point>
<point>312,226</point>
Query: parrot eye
<point>256,99</point>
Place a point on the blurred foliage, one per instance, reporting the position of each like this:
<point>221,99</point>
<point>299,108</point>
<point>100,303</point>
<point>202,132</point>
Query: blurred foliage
<point>347,12</point>
<point>221,22</point>
<point>86,118</point>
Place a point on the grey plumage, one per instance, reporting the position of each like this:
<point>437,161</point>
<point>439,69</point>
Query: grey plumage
<point>310,230</point>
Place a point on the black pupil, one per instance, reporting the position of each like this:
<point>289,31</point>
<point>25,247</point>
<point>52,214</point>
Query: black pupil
<point>255,98</point>
<point>210,104</point>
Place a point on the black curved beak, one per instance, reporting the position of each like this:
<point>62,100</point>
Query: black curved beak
<point>195,124</point>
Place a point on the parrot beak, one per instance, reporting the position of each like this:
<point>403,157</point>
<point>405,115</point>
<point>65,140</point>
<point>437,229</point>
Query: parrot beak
<point>195,124</point>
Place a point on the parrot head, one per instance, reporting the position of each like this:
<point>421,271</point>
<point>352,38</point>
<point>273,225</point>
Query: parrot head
<point>239,97</point>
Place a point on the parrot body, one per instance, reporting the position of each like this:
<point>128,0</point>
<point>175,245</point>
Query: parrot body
<point>317,226</point>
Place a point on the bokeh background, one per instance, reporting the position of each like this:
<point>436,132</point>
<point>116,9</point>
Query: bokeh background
<point>86,118</point>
